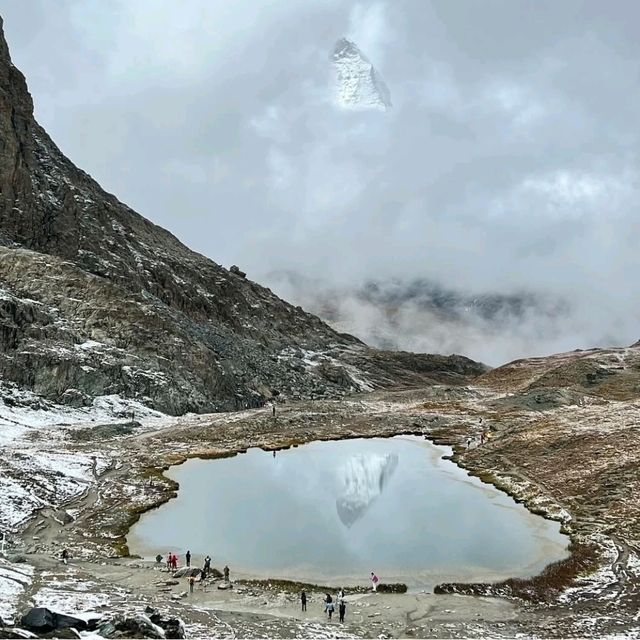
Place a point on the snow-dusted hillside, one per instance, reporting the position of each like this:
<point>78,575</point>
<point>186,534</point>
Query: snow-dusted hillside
<point>36,469</point>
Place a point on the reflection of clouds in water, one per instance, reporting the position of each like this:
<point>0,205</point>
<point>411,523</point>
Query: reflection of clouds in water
<point>363,480</point>
<point>331,509</point>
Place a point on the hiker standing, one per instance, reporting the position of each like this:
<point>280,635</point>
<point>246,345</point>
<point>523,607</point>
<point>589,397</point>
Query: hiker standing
<point>273,409</point>
<point>65,556</point>
<point>303,600</point>
<point>374,581</point>
<point>188,558</point>
<point>225,572</point>
<point>192,582</point>
<point>328,607</point>
<point>207,566</point>
<point>342,609</point>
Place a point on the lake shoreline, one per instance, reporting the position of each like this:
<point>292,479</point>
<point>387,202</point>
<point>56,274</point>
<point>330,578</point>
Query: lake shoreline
<point>136,483</point>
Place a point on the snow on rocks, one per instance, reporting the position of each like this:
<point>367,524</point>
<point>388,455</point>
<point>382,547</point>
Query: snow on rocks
<point>35,476</point>
<point>14,579</point>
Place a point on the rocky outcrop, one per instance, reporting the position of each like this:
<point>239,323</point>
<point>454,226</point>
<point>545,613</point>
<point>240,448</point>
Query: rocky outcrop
<point>96,300</point>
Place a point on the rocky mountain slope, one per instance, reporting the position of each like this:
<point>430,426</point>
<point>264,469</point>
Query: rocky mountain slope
<point>96,300</point>
<point>611,374</point>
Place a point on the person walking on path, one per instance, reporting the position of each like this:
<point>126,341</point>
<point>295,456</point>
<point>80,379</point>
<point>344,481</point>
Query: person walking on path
<point>169,561</point>
<point>342,609</point>
<point>374,581</point>
<point>188,558</point>
<point>225,572</point>
<point>192,582</point>
<point>207,566</point>
<point>273,409</point>
<point>303,600</point>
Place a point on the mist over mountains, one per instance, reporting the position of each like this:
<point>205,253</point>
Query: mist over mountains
<point>422,316</point>
<point>508,165</point>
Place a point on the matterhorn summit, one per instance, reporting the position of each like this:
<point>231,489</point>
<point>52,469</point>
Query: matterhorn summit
<point>357,84</point>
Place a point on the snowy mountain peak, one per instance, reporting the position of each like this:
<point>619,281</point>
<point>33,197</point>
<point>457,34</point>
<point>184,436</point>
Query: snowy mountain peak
<point>357,84</point>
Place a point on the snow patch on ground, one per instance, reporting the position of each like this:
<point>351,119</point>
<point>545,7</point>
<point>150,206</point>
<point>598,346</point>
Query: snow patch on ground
<point>595,584</point>
<point>33,476</point>
<point>14,579</point>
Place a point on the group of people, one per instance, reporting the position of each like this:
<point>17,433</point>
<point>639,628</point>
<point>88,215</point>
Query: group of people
<point>172,565</point>
<point>172,561</point>
<point>330,605</point>
<point>484,435</point>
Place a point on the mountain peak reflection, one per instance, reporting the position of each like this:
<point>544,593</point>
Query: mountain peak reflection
<point>363,478</point>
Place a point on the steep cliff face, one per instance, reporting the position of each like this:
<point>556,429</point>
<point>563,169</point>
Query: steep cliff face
<point>95,299</point>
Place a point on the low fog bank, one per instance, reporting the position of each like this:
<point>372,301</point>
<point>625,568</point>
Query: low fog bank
<point>421,316</point>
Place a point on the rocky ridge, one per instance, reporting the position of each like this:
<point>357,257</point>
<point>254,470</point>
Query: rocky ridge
<point>96,300</point>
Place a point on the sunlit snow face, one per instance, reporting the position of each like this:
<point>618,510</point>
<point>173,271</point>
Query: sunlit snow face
<point>362,479</point>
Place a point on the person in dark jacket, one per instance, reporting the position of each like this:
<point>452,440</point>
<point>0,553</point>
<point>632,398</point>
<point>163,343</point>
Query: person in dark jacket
<point>188,558</point>
<point>303,600</point>
<point>342,609</point>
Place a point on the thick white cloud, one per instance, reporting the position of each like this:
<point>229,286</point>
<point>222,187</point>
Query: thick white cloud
<point>509,161</point>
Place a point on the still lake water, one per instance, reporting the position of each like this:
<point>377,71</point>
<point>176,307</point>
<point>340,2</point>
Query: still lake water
<point>335,511</point>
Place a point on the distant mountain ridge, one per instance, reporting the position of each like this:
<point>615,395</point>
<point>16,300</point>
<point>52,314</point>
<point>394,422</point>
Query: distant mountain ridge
<point>97,300</point>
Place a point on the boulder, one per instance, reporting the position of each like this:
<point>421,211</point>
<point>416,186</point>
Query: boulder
<point>174,628</point>
<point>63,517</point>
<point>187,572</point>
<point>237,271</point>
<point>42,620</point>
<point>137,626</point>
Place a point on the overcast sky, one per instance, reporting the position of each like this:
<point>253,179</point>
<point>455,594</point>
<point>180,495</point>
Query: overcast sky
<point>508,162</point>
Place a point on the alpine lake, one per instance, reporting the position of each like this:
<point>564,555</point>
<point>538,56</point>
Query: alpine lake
<point>333,512</point>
